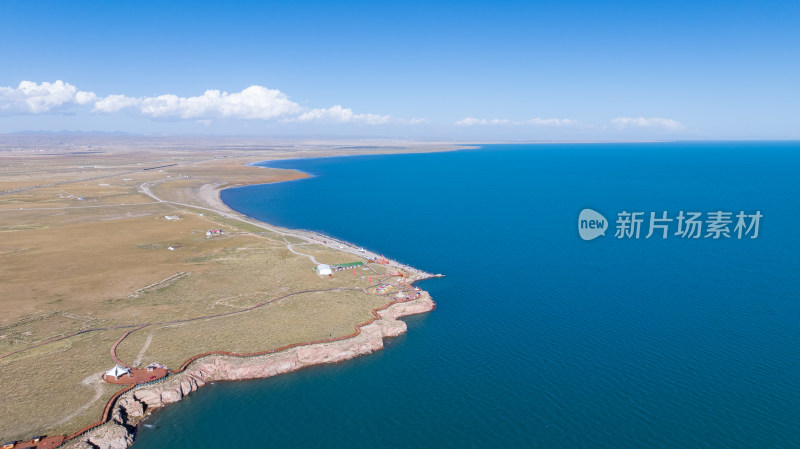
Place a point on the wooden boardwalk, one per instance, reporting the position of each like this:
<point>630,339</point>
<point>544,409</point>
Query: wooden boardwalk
<point>44,443</point>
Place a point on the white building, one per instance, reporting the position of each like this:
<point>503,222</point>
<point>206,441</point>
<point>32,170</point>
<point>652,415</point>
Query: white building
<point>324,270</point>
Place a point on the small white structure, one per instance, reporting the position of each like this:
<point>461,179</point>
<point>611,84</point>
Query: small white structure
<point>172,217</point>
<point>155,366</point>
<point>324,270</point>
<point>117,371</point>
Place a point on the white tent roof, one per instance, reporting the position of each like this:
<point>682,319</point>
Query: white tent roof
<point>117,371</point>
<point>323,269</point>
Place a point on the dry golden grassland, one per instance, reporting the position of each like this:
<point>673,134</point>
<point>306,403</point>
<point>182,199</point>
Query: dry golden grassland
<point>55,389</point>
<point>303,317</point>
<point>79,253</point>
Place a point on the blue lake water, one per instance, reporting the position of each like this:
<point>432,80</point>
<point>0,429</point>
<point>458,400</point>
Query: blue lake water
<point>541,339</point>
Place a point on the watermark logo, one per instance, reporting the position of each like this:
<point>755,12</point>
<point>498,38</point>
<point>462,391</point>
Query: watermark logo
<point>716,224</point>
<point>591,224</point>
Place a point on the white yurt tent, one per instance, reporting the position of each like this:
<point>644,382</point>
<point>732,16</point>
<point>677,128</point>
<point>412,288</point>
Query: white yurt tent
<point>117,371</point>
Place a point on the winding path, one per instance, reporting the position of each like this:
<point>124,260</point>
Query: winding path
<point>92,381</point>
<point>135,327</point>
<point>140,356</point>
<point>292,250</point>
<point>206,317</point>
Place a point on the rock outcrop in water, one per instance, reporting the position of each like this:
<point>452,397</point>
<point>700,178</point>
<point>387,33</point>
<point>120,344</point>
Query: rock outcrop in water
<point>133,406</point>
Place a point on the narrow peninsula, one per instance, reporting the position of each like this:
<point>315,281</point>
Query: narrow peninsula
<point>153,287</point>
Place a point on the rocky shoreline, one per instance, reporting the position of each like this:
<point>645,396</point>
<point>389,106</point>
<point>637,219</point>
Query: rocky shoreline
<point>134,405</point>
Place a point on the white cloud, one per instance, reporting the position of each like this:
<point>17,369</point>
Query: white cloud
<point>641,122</point>
<point>342,115</point>
<point>471,121</point>
<point>32,98</point>
<point>83,98</point>
<point>255,102</point>
<point>550,122</point>
<point>411,121</point>
<point>114,103</point>
<point>468,121</point>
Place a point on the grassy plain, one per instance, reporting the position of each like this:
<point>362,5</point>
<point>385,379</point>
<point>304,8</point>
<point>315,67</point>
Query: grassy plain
<point>83,247</point>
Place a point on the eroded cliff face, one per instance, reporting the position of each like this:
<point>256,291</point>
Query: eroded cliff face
<point>132,406</point>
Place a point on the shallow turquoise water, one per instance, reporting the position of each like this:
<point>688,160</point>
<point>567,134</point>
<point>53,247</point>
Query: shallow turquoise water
<point>541,339</point>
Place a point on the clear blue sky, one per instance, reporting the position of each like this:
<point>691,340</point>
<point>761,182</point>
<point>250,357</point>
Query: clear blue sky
<point>585,70</point>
